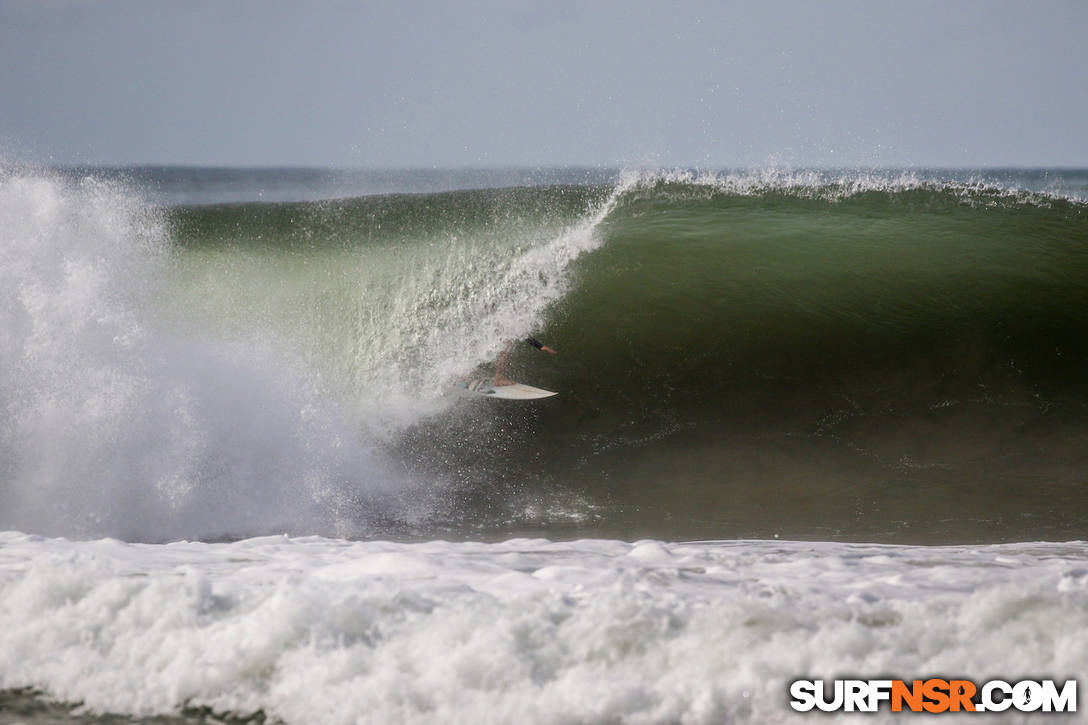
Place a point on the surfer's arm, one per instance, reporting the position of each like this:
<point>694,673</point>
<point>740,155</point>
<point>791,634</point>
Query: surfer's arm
<point>539,345</point>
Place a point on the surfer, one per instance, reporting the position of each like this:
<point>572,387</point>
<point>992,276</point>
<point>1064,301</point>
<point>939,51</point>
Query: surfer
<point>500,364</point>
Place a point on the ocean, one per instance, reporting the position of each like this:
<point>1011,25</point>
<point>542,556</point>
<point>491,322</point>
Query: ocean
<point>809,424</point>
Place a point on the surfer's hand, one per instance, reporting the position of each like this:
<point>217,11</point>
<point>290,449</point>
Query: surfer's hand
<point>545,348</point>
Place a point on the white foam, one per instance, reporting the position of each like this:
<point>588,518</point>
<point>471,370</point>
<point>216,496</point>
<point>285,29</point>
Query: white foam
<point>973,188</point>
<point>317,630</point>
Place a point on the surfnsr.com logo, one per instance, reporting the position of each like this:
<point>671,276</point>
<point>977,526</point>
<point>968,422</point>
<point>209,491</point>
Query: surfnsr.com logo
<point>934,695</point>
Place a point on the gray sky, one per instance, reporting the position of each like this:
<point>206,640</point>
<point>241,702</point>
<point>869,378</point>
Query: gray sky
<point>494,83</point>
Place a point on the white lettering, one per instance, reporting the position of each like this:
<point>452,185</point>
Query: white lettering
<point>856,695</point>
<point>989,704</point>
<point>804,695</point>
<point>1027,696</point>
<point>821,696</point>
<point>1065,701</point>
<point>879,691</point>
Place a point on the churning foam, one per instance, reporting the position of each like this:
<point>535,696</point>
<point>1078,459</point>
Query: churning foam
<point>529,631</point>
<point>973,188</point>
<point>113,425</point>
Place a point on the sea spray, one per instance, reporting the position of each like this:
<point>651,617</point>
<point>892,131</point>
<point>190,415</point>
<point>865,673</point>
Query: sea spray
<point>115,425</point>
<point>162,388</point>
<point>394,300</point>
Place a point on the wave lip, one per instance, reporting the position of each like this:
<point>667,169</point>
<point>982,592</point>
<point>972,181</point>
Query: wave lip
<point>839,184</point>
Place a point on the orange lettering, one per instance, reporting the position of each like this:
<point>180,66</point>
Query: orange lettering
<point>961,692</point>
<point>912,695</point>
<point>936,691</point>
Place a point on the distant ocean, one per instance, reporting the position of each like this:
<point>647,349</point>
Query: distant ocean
<point>809,424</point>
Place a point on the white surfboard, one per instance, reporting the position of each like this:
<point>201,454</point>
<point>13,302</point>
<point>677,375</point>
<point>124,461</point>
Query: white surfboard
<point>516,391</point>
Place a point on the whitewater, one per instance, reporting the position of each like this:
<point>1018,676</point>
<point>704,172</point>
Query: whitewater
<point>237,479</point>
<point>320,630</point>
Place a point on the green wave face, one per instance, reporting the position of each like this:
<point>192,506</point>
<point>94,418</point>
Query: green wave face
<point>715,285</point>
<point>890,361</point>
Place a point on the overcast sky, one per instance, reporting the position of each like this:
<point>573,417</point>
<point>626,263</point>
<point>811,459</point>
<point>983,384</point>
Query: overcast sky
<point>501,83</point>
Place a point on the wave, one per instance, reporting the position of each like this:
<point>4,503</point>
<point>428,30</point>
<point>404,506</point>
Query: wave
<point>897,361</point>
<point>727,341</point>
